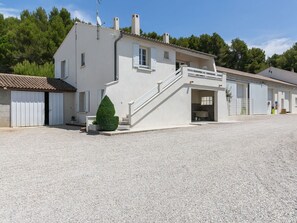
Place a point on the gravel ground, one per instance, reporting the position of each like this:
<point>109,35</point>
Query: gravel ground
<point>243,172</point>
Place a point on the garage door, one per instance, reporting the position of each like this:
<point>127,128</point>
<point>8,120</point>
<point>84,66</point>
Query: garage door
<point>55,108</point>
<point>27,108</point>
<point>259,99</point>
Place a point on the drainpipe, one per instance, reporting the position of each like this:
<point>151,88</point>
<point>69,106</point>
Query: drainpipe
<point>116,76</point>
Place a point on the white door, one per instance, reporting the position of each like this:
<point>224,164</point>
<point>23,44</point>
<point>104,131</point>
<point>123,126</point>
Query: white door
<point>287,101</point>
<point>259,99</point>
<point>27,108</point>
<point>56,110</point>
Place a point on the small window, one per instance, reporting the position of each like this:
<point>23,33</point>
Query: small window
<point>296,102</point>
<point>143,57</point>
<point>206,101</point>
<point>83,101</point>
<point>166,55</point>
<point>83,60</point>
<point>63,69</point>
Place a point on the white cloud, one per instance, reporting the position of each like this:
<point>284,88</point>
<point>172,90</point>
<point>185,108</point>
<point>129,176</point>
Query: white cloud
<point>275,46</point>
<point>81,15</point>
<point>9,12</point>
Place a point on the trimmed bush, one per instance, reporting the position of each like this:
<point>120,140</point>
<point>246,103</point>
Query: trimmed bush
<point>105,115</point>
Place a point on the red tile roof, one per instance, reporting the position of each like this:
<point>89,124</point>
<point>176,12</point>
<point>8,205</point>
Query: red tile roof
<point>33,83</point>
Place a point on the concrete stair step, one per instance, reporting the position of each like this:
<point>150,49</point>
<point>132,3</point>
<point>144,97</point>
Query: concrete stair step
<point>125,119</point>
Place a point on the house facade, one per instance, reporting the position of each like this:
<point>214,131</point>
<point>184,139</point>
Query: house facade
<point>151,83</point>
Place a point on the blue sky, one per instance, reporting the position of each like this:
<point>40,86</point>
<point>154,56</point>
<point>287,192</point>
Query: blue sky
<point>268,24</point>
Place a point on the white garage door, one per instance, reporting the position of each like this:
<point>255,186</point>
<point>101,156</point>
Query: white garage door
<point>56,109</point>
<point>259,99</point>
<point>27,108</point>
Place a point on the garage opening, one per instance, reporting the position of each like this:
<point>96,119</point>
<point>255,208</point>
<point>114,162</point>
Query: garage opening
<point>203,105</point>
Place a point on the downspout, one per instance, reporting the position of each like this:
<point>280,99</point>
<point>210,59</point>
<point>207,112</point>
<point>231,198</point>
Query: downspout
<point>76,54</point>
<point>116,76</point>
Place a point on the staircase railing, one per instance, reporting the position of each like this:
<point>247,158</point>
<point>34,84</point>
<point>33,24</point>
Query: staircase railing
<point>145,99</point>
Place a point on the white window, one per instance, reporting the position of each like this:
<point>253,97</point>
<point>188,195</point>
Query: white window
<point>206,101</point>
<point>166,55</point>
<point>143,57</point>
<point>83,101</point>
<point>82,60</point>
<point>63,69</point>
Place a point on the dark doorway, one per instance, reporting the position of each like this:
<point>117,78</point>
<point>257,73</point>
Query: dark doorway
<point>46,108</point>
<point>203,105</point>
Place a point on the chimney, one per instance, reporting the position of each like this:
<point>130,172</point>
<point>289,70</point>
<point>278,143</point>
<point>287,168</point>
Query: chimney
<point>135,24</point>
<point>116,23</point>
<point>166,37</point>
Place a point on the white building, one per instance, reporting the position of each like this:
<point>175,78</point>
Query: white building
<point>156,84</point>
<point>254,94</point>
<point>151,83</point>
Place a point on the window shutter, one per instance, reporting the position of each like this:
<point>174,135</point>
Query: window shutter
<point>87,101</point>
<point>67,68</point>
<point>153,59</point>
<point>135,55</point>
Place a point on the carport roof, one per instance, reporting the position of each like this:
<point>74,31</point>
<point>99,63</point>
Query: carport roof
<point>33,83</point>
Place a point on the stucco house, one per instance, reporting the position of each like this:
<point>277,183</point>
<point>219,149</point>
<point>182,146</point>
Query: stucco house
<point>151,83</point>
<point>154,83</point>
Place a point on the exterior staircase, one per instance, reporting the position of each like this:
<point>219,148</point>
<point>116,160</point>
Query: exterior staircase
<point>185,75</point>
<point>124,124</point>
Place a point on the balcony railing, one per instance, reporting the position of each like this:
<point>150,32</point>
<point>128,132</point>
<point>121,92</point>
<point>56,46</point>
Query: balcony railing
<point>195,72</point>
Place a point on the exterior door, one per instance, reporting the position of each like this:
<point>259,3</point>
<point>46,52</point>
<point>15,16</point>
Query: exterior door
<point>55,107</point>
<point>27,108</point>
<point>259,98</point>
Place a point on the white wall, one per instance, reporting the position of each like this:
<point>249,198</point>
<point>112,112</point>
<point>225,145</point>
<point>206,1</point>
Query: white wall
<point>172,107</point>
<point>99,62</point>
<point>134,82</point>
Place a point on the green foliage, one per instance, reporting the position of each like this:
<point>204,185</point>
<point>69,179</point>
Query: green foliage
<point>27,68</point>
<point>33,37</point>
<point>105,115</point>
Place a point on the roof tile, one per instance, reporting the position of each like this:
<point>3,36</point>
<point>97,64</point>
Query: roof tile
<point>22,82</point>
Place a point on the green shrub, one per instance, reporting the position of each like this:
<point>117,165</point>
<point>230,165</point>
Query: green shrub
<point>105,115</point>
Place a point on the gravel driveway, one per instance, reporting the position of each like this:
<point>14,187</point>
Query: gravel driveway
<point>243,172</point>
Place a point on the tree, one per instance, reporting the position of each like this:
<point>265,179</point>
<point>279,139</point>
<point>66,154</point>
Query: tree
<point>238,56</point>
<point>256,60</point>
<point>33,69</point>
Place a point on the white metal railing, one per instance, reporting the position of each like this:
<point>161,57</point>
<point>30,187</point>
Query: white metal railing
<point>140,102</point>
<point>195,72</point>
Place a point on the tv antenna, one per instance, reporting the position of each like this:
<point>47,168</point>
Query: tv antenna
<point>98,20</point>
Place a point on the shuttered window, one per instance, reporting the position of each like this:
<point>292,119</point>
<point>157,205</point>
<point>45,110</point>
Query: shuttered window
<point>84,101</point>
<point>144,57</point>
